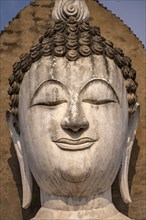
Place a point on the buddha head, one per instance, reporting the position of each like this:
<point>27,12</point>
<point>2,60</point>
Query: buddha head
<point>73,113</point>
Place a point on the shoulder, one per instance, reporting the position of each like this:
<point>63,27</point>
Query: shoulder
<point>119,216</point>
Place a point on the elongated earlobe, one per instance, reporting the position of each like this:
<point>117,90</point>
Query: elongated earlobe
<point>123,181</point>
<point>24,169</point>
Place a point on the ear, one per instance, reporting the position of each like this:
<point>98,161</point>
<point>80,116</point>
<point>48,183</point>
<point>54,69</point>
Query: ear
<point>123,181</point>
<point>24,169</point>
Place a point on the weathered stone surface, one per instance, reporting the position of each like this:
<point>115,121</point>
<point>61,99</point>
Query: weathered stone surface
<point>19,35</point>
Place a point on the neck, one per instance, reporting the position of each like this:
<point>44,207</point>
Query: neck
<point>75,204</point>
<point>95,207</point>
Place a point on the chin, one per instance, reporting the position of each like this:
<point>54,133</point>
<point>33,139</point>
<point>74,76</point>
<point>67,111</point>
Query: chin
<point>76,167</point>
<point>77,176</point>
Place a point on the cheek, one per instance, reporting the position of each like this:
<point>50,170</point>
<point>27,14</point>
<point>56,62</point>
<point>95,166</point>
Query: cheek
<point>109,116</point>
<point>44,121</point>
<point>39,127</point>
<point>109,123</point>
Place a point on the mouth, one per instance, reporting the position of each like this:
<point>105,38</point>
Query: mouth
<point>74,145</point>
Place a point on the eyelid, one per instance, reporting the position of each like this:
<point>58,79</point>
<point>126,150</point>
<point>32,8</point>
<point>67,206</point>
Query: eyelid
<point>50,104</point>
<point>99,102</point>
<point>100,80</point>
<point>57,82</point>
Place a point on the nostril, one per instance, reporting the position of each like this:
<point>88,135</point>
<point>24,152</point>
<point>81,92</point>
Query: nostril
<point>85,125</point>
<point>76,129</point>
<point>73,126</point>
<point>81,129</point>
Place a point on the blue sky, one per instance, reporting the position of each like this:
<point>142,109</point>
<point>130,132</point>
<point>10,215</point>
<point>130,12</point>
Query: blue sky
<point>132,12</point>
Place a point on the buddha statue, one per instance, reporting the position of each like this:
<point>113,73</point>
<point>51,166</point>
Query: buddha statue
<point>73,117</point>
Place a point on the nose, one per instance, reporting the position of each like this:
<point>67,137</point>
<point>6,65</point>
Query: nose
<point>75,121</point>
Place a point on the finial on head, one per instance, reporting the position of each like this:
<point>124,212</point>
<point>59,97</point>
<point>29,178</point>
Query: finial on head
<point>65,8</point>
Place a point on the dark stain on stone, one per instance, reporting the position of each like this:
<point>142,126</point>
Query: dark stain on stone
<point>8,31</point>
<point>122,39</point>
<point>2,50</point>
<point>2,32</point>
<point>91,19</point>
<point>11,45</point>
<point>48,6</point>
<point>51,5</point>
<point>37,19</point>
<point>18,15</point>
<point>18,32</point>
<point>135,49</point>
<point>46,25</point>
<point>34,4</point>
<point>50,16</point>
<point>34,29</point>
<point>106,64</point>
<point>93,63</point>
<point>33,14</point>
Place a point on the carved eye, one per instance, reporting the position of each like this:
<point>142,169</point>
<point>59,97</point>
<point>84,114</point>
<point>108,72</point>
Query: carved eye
<point>50,95</point>
<point>50,103</point>
<point>99,102</point>
<point>99,93</point>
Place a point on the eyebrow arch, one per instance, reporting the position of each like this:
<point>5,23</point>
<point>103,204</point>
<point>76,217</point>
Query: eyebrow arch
<point>44,83</point>
<point>102,80</point>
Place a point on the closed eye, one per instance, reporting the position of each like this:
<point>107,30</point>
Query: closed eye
<point>99,102</point>
<point>50,104</point>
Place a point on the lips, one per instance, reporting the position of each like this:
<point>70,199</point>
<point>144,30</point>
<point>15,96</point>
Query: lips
<point>74,145</point>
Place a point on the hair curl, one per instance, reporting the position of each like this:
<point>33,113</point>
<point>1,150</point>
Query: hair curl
<point>72,39</point>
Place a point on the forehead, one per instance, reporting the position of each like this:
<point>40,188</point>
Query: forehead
<point>73,74</point>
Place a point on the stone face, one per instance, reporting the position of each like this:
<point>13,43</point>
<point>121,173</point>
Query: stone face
<point>37,13</point>
<point>64,110</point>
<point>66,142</point>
